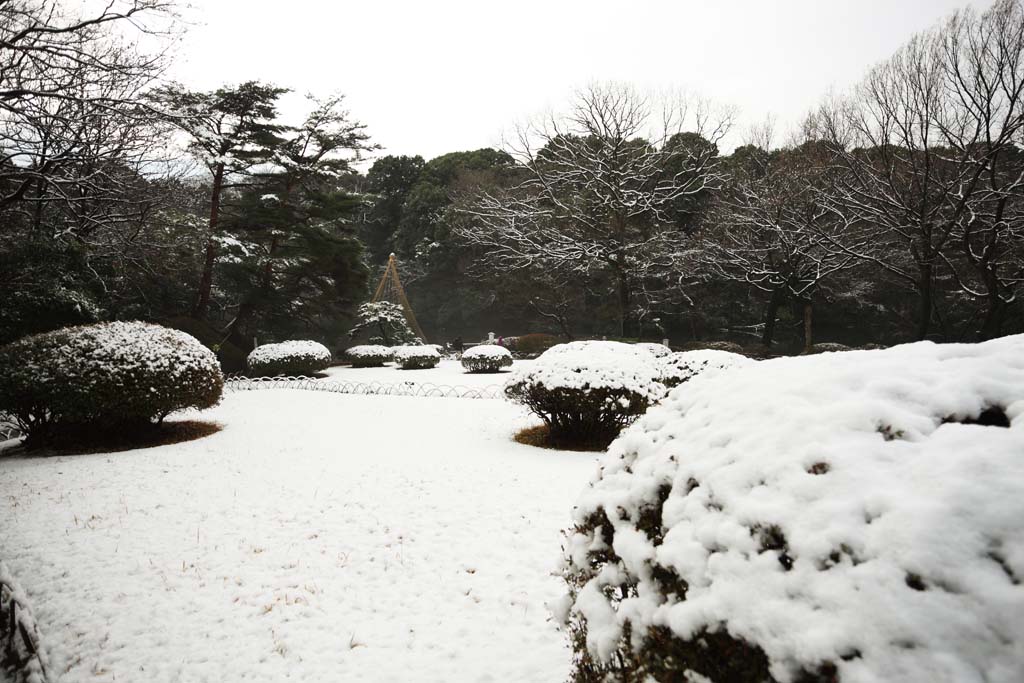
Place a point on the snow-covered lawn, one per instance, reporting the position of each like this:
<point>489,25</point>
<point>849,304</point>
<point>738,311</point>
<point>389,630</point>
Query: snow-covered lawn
<point>447,373</point>
<point>318,536</point>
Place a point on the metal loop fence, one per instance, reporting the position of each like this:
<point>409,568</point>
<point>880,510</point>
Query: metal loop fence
<point>426,389</point>
<point>9,429</point>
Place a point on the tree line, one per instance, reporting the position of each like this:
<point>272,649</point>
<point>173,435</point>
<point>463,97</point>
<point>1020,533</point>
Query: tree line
<point>892,214</point>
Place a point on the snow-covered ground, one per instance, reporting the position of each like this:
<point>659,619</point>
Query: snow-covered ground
<point>317,537</point>
<point>447,373</point>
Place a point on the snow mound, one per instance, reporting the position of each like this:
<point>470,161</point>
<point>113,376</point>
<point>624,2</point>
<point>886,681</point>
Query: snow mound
<point>851,517</point>
<point>655,349</point>
<point>684,365</point>
<point>298,357</point>
<point>414,357</point>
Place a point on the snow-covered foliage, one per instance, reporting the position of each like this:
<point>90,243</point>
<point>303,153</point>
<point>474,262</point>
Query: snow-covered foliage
<point>679,367</point>
<point>486,358</point>
<point>845,517</point>
<point>384,321</point>
<point>656,349</point>
<point>416,357</point>
<point>300,357</point>
<point>369,355</point>
<point>105,375</point>
<point>829,347</point>
<point>599,348</point>
<point>586,392</point>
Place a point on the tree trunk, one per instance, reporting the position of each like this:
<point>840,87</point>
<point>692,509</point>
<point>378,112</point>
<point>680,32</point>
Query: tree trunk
<point>206,281</point>
<point>808,320</point>
<point>770,314</point>
<point>623,303</point>
<point>925,289</point>
<point>995,310</point>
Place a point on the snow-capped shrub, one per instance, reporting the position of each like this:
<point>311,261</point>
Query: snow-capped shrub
<point>731,347</point>
<point>416,357</point>
<point>369,355</point>
<point>104,377</point>
<point>828,347</point>
<point>842,517</point>
<point>300,357</point>
<point>486,358</point>
<point>598,347</point>
<point>656,349</point>
<point>588,392</point>
<point>679,367</point>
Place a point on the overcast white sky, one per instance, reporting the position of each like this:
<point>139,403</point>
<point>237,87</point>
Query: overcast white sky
<point>430,77</point>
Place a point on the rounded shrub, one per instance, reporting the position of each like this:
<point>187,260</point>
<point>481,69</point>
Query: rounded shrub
<point>301,357</point>
<point>679,367</point>
<point>369,355</point>
<point>802,521</point>
<point>587,392</point>
<point>416,357</point>
<point>104,378</point>
<point>486,358</point>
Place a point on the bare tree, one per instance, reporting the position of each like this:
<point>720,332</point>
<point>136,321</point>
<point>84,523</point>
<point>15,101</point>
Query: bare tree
<point>770,230</point>
<point>609,190</point>
<point>924,145</point>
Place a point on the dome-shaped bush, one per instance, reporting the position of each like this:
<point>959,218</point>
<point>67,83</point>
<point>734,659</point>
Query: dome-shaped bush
<point>486,358</point>
<point>655,349</point>
<point>105,376</point>
<point>844,517</point>
<point>587,393</point>
<point>294,358</point>
<point>679,367</point>
<point>417,357</point>
<point>369,355</point>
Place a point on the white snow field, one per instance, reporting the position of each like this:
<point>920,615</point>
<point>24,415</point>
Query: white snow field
<point>317,537</point>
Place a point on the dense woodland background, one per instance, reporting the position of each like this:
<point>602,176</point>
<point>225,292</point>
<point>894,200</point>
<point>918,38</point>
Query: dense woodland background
<point>895,213</point>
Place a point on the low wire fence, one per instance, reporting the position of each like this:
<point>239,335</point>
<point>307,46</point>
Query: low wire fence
<point>425,389</point>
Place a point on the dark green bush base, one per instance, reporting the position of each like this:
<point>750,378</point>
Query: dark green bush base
<point>124,436</point>
<point>540,437</point>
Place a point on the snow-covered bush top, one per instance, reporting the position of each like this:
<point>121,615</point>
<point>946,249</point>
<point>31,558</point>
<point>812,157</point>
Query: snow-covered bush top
<point>416,356</point>
<point>369,351</point>
<point>486,358</point>
<point>597,347</point>
<point>595,365</point>
<point>109,373</point>
<point>684,365</point>
<point>290,357</point>
<point>848,512</point>
<point>415,351</point>
<point>487,351</point>
<point>656,349</point>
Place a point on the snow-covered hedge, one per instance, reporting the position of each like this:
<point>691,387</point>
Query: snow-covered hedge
<point>369,355</point>
<point>845,517</point>
<point>105,376</point>
<point>416,357</point>
<point>679,367</point>
<point>656,349</point>
<point>300,357</point>
<point>586,392</point>
<point>486,358</point>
